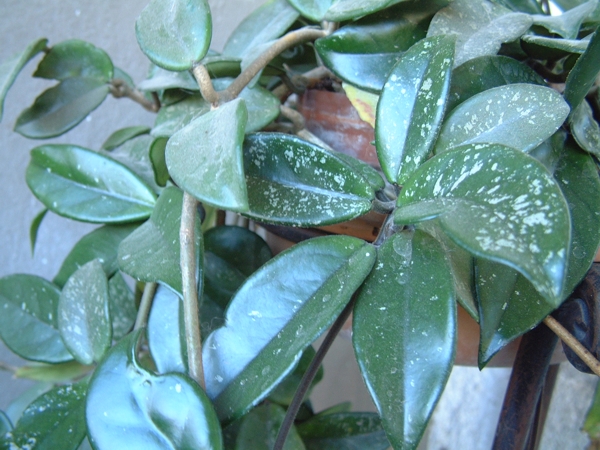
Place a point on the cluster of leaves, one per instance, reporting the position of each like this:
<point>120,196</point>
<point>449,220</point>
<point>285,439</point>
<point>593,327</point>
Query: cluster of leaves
<point>488,182</point>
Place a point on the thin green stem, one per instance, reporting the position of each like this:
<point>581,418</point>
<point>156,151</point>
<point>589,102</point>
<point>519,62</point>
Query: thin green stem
<point>205,84</point>
<point>189,269</point>
<point>145,304</point>
<point>310,374</point>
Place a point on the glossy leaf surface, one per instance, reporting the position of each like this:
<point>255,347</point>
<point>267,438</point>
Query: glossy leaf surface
<point>161,411</point>
<point>276,314</point>
<point>161,79</point>
<point>293,182</point>
<point>266,23</point>
<point>152,252</point>
<point>487,72</point>
<point>174,34</point>
<point>404,333</point>
<point>343,431</point>
<point>34,228</point>
<point>584,73</point>
<point>364,102</point>
<point>121,306</point>
<point>10,68</point>
<point>119,137</point>
<point>5,425</point>
<point>552,48</point>
<point>480,27</point>
<point>172,118</point>
<point>83,313</point>
<point>28,320</point>
<point>498,203</point>
<point>205,157</point>
<point>100,244</point>
<point>231,254</point>
<point>75,58</point>
<point>61,107</point>
<point>411,107</point>
<point>166,332</point>
<point>159,163</point>
<point>258,430</point>
<point>338,10</point>
<point>585,128</point>
<point>15,409</point>
<point>521,116</point>
<point>284,393</point>
<point>364,52</point>
<point>83,185</point>
<point>568,23</point>
<point>53,420</point>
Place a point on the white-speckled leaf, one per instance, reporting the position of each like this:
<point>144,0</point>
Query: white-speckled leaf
<point>519,115</point>
<point>499,204</point>
<point>480,27</point>
<point>585,128</point>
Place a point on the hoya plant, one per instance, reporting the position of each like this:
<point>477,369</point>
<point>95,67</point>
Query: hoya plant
<point>167,329</point>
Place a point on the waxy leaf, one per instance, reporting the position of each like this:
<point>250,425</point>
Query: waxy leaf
<point>174,34</point>
<point>5,425</point>
<point>35,227</point>
<point>83,185</point>
<point>28,318</point>
<point>61,107</point>
<point>231,254</point>
<point>404,333</point>
<point>364,102</point>
<point>284,393</point>
<point>266,23</point>
<point>411,107</point>
<point>338,10</point>
<point>152,252</point>
<point>54,420</point>
<point>166,332</point>
<point>276,314</point>
<point>480,27</point>
<point>363,53</point>
<point>83,313</point>
<point>100,244</point>
<point>53,373</point>
<point>172,118</point>
<point>258,430</point>
<point>568,23</point>
<point>121,306</point>
<point>162,412</point>
<point>293,182</point>
<point>75,58</point>
<point>498,203</point>
<point>15,409</point>
<point>205,157</point>
<point>552,48</point>
<point>159,163</point>
<point>521,116</point>
<point>343,431</point>
<point>119,137</point>
<point>10,68</point>
<point>585,128</point>
<point>161,79</point>
<point>584,73</point>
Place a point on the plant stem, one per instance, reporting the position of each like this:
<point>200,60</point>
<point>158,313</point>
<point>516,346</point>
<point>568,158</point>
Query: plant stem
<point>205,84</point>
<point>573,344</point>
<point>145,304</point>
<point>310,374</point>
<point>289,40</point>
<point>189,269</point>
<point>119,89</point>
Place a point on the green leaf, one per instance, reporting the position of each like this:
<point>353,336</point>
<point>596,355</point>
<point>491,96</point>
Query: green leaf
<point>5,425</point>
<point>83,313</point>
<point>568,23</point>
<point>173,118</point>
<point>338,10</point>
<point>174,34</point>
<point>592,418</point>
<point>487,72</point>
<point>10,68</point>
<point>294,182</point>
<point>411,107</point>
<point>119,137</point>
<point>266,23</point>
<point>35,227</point>
<point>499,204</point>
<point>83,185</point>
<point>219,66</point>
<point>121,306</point>
<point>159,162</point>
<point>521,116</point>
<point>28,320</point>
<point>526,6</point>
<point>166,332</point>
<point>584,73</point>
<point>75,58</point>
<point>363,53</point>
<point>152,252</point>
<point>552,48</point>
<point>284,393</point>
<point>100,244</point>
<point>343,431</point>
<point>53,420</point>
<point>258,430</point>
<point>18,405</point>
<point>168,412</point>
<point>585,128</point>
<point>231,254</point>
<point>53,373</point>
<point>368,172</point>
<point>61,107</point>
<point>161,79</point>
<point>285,311</point>
<point>404,333</point>
<point>205,157</point>
<point>480,27</point>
